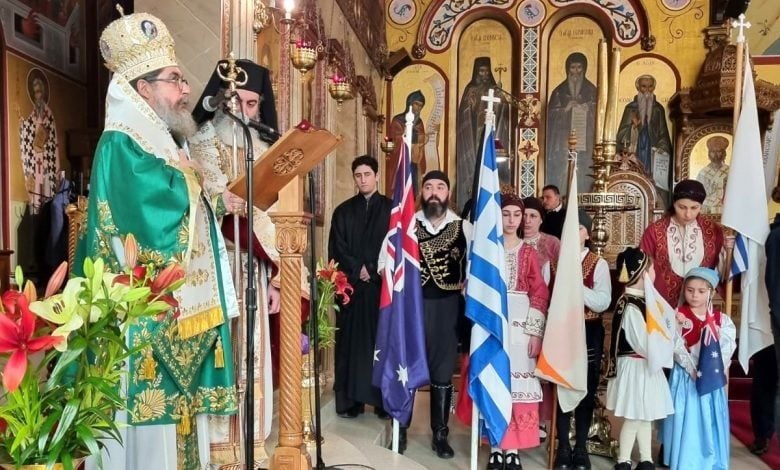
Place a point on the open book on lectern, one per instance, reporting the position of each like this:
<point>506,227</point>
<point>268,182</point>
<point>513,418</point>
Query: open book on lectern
<point>296,153</point>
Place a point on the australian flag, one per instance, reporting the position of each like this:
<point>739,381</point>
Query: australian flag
<point>712,375</point>
<point>400,365</point>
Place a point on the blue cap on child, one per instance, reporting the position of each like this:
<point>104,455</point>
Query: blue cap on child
<point>709,275</point>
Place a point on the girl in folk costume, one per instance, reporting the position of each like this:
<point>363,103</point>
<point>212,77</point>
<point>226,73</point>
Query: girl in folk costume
<point>527,299</point>
<point>682,239</point>
<point>634,393</point>
<point>697,434</point>
<point>547,246</point>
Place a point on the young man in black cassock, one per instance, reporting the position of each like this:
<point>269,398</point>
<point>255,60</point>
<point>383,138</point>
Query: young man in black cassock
<point>359,226</point>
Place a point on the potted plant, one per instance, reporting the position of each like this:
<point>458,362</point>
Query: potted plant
<point>65,354</point>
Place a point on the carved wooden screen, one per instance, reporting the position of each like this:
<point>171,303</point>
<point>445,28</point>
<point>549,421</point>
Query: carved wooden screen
<point>625,228</point>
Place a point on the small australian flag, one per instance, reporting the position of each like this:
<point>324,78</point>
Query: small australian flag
<point>712,375</point>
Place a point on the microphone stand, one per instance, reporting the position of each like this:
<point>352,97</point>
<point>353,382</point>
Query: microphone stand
<point>250,299</point>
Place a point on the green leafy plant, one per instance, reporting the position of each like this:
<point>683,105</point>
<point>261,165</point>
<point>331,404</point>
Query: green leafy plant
<point>330,283</point>
<point>66,355</point>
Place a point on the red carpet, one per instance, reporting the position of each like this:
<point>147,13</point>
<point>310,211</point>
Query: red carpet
<point>739,412</point>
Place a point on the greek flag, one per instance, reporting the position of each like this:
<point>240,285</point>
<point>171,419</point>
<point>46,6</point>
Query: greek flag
<point>486,304</point>
<point>739,263</point>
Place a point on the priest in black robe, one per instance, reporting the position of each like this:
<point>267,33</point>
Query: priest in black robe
<point>358,227</point>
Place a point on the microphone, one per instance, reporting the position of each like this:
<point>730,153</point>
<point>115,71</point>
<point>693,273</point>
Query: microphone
<point>212,103</point>
<point>264,128</point>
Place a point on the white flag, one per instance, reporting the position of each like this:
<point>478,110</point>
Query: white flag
<point>564,356</point>
<point>745,210</point>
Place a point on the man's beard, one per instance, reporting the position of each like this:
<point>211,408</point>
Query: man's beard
<point>179,121</point>
<point>575,84</point>
<point>434,208</point>
<point>223,125</point>
<point>645,103</point>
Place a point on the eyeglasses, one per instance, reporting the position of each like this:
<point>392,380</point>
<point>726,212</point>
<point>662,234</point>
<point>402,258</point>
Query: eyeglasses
<point>179,81</point>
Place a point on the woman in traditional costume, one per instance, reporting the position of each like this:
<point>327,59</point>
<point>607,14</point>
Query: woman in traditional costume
<point>547,246</point>
<point>527,299</point>
<point>681,240</point>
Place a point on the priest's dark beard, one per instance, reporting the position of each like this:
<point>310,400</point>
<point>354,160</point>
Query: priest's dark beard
<point>433,208</point>
<point>179,121</point>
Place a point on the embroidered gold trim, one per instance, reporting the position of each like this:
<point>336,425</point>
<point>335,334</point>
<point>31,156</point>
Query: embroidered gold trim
<point>200,322</point>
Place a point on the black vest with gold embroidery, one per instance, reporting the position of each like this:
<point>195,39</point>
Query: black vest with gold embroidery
<point>618,344</point>
<point>442,259</point>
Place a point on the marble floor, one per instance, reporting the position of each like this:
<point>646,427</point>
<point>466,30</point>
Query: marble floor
<point>366,432</point>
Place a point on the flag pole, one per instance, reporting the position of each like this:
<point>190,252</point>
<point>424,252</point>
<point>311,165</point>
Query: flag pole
<point>396,435</point>
<point>474,434</point>
<point>490,117</point>
<point>741,24</point>
<point>407,141</point>
<point>552,434</point>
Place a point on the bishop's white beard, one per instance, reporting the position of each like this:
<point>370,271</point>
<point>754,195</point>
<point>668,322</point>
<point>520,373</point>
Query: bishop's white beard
<point>223,125</point>
<point>179,121</point>
<point>645,103</point>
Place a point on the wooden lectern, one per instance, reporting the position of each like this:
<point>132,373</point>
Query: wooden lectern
<point>279,175</point>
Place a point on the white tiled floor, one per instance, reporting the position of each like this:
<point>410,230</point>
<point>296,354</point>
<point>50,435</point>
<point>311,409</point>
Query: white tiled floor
<point>367,431</point>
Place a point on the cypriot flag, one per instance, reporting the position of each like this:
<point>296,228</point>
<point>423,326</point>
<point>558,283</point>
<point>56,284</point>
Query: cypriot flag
<point>659,319</point>
<point>564,356</point>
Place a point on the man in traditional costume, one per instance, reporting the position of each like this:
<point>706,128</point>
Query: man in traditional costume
<point>598,295</point>
<point>415,100</point>
<point>713,176</point>
<point>144,183</point>
<point>211,146</point>
<point>681,240</point>
<point>443,239</point>
<point>358,227</point>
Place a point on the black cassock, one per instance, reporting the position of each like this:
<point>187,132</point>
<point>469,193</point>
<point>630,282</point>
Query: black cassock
<point>358,227</point>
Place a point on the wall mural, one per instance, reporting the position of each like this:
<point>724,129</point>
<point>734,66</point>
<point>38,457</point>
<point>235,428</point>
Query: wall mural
<point>415,82</point>
<point>644,131</point>
<point>484,62</point>
<point>42,105</point>
<point>571,99</point>
<point>50,31</point>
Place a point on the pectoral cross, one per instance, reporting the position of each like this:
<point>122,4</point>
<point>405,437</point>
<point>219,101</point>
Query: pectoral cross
<point>742,25</point>
<point>490,99</point>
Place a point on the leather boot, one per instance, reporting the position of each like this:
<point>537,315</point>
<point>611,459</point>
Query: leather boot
<point>441,400</point>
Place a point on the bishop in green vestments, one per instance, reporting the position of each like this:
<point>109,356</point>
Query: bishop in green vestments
<point>144,183</point>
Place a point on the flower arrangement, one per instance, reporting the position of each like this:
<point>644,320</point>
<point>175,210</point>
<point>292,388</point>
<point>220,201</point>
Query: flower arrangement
<point>330,283</point>
<point>65,355</point>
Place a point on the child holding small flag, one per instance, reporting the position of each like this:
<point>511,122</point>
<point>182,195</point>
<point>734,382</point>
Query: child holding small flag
<point>697,434</point>
<point>635,391</point>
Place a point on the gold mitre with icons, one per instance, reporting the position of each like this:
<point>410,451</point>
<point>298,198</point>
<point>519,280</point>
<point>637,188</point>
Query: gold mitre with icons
<point>136,44</point>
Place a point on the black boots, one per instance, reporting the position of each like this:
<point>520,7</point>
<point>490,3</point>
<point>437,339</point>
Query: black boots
<point>441,400</point>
